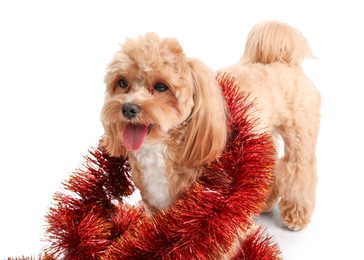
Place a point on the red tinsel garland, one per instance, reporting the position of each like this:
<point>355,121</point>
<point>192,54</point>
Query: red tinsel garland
<point>258,246</point>
<point>91,221</point>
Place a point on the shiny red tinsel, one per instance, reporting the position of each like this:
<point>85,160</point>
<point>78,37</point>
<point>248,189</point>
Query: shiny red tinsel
<point>91,221</point>
<point>258,246</point>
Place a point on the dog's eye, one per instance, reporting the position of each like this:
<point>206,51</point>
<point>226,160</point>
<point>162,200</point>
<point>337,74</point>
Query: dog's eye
<point>123,83</point>
<point>160,87</point>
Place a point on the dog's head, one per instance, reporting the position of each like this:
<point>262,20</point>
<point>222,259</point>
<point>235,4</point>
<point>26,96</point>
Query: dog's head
<point>152,89</point>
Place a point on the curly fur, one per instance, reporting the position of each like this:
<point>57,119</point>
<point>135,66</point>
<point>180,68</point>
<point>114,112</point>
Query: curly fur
<point>289,106</point>
<point>187,122</point>
<point>183,133</point>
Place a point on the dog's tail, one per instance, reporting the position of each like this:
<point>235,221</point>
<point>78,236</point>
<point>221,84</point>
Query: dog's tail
<point>273,41</point>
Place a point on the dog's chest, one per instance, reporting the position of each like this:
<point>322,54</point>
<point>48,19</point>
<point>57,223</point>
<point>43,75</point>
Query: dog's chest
<point>151,158</point>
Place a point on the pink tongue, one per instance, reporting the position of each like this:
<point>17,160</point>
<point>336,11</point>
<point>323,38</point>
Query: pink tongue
<point>134,136</point>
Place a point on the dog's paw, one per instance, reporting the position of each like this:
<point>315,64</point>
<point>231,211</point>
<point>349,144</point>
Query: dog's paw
<point>294,217</point>
<point>294,225</point>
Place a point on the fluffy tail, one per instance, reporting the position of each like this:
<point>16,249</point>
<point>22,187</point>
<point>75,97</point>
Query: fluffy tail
<point>273,41</point>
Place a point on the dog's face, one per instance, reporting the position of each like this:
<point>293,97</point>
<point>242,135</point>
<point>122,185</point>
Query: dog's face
<point>152,88</point>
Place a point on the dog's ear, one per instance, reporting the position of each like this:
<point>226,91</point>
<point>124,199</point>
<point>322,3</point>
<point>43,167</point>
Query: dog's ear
<point>206,130</point>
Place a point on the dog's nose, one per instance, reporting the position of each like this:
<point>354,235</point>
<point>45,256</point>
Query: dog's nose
<point>130,110</point>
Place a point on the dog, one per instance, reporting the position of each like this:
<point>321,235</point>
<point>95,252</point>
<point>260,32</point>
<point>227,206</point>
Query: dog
<point>166,113</point>
<point>288,105</point>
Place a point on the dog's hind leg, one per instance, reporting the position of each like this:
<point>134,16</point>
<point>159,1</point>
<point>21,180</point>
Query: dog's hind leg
<point>274,192</point>
<point>272,200</point>
<point>296,171</point>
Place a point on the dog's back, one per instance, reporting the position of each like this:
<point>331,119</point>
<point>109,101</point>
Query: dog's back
<point>270,69</point>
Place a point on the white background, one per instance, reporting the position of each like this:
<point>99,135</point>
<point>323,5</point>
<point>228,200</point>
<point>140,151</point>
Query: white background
<point>52,61</point>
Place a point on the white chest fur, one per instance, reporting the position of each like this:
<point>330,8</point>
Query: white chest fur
<point>151,158</point>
